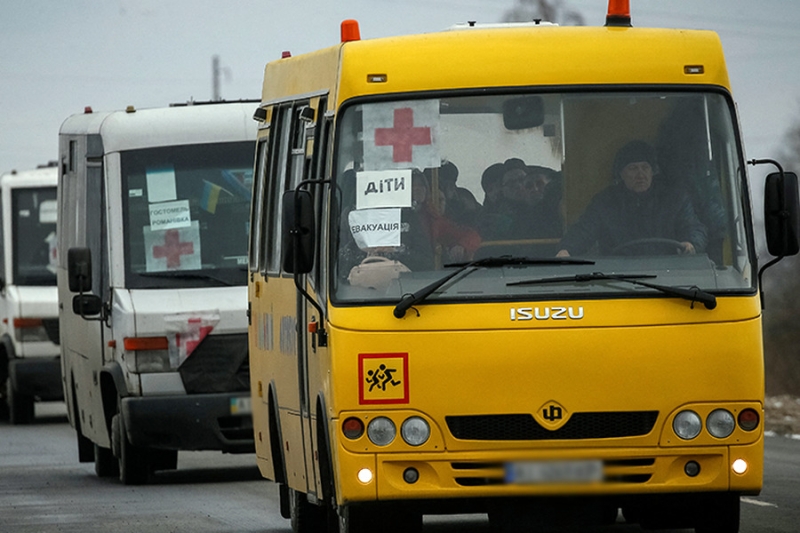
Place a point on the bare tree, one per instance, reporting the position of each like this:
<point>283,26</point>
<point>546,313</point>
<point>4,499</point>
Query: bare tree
<point>547,10</point>
<point>782,296</point>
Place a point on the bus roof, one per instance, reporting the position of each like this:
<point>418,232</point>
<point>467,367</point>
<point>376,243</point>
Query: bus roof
<point>503,56</point>
<point>167,126</point>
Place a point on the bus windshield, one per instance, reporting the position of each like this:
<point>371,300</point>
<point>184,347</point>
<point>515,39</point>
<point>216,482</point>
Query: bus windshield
<point>34,227</point>
<point>635,183</point>
<point>186,212</point>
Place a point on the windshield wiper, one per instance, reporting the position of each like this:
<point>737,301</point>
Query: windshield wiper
<point>491,262</point>
<point>172,274</point>
<point>694,294</point>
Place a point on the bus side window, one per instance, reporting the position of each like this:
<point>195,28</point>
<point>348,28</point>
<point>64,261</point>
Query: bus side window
<point>257,226</point>
<point>277,182</point>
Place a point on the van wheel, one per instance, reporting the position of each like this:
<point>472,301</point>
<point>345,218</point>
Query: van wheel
<point>105,464</point>
<point>134,466</point>
<point>20,406</point>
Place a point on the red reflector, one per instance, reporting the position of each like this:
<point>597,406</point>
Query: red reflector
<point>145,343</point>
<point>350,31</point>
<point>749,419</point>
<point>87,109</point>
<point>286,54</point>
<point>353,428</point>
<point>20,323</point>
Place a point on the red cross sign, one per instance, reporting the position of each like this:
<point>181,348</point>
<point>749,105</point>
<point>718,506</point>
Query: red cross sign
<point>403,136</point>
<point>173,249</point>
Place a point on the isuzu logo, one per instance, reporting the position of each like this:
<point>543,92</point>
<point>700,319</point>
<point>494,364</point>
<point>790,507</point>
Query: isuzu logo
<point>546,313</point>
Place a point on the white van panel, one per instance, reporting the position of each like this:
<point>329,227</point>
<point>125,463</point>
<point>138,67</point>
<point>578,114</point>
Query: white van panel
<point>155,307</point>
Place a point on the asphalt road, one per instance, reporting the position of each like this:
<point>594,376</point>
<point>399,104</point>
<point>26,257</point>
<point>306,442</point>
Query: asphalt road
<point>43,488</point>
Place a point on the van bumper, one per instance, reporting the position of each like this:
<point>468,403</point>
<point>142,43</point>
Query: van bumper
<point>191,422</point>
<point>37,377</point>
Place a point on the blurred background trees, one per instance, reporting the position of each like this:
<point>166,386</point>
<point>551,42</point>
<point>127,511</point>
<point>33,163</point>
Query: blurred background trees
<point>782,298</point>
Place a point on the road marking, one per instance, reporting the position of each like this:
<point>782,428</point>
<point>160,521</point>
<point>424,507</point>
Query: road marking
<point>758,502</point>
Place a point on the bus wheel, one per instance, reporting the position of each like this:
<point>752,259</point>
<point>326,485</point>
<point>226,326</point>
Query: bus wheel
<point>306,517</point>
<point>366,518</point>
<point>134,466</point>
<point>719,514</point>
<point>105,464</point>
<point>20,406</point>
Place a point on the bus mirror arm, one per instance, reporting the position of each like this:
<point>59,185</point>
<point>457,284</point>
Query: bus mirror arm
<point>781,216</point>
<point>299,237</point>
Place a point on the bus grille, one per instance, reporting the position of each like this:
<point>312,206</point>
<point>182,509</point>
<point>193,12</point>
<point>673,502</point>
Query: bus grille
<point>220,363</point>
<point>525,427</point>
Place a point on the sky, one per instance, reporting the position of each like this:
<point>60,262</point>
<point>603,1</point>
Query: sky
<point>56,56</point>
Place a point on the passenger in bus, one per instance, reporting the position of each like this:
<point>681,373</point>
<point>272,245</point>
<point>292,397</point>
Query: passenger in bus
<point>637,206</point>
<point>461,205</point>
<point>528,204</point>
<point>430,229</point>
<point>427,235</point>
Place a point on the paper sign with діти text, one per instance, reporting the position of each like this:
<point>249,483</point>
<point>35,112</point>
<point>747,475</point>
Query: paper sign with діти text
<point>383,188</point>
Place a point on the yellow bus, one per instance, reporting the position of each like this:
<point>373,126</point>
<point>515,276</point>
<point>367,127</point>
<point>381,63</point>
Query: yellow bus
<point>508,269</point>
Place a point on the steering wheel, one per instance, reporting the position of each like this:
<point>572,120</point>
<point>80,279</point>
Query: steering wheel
<point>675,247</point>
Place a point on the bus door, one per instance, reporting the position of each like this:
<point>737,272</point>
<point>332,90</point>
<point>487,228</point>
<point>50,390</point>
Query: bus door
<point>303,165</point>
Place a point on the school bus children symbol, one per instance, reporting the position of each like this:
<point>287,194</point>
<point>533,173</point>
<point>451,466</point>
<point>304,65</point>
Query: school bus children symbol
<point>383,378</point>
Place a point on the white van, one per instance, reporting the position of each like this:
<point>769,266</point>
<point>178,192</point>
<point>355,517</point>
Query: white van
<point>29,367</point>
<point>154,208</point>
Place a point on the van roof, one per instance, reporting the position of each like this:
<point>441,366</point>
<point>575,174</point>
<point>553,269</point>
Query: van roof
<point>167,126</point>
<point>40,177</point>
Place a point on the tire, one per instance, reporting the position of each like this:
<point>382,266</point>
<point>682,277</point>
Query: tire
<point>368,518</point>
<point>105,464</point>
<point>20,406</point>
<point>306,517</point>
<point>720,514</point>
<point>134,464</point>
<point>163,459</point>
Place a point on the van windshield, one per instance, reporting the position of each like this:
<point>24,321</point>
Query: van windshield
<point>646,183</point>
<point>34,235</point>
<point>186,212</point>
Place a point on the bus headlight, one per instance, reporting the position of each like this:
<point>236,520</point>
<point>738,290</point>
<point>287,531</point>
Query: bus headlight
<point>381,431</point>
<point>687,425</point>
<point>720,423</point>
<point>415,431</point>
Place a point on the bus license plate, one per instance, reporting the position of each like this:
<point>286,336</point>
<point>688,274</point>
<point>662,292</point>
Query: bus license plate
<point>241,406</point>
<point>534,472</point>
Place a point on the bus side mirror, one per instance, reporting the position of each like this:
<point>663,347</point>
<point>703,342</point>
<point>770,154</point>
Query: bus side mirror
<point>298,232</point>
<point>79,269</point>
<point>782,214</point>
<point>524,112</point>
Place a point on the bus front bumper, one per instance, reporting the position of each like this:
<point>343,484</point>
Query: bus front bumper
<point>628,471</point>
